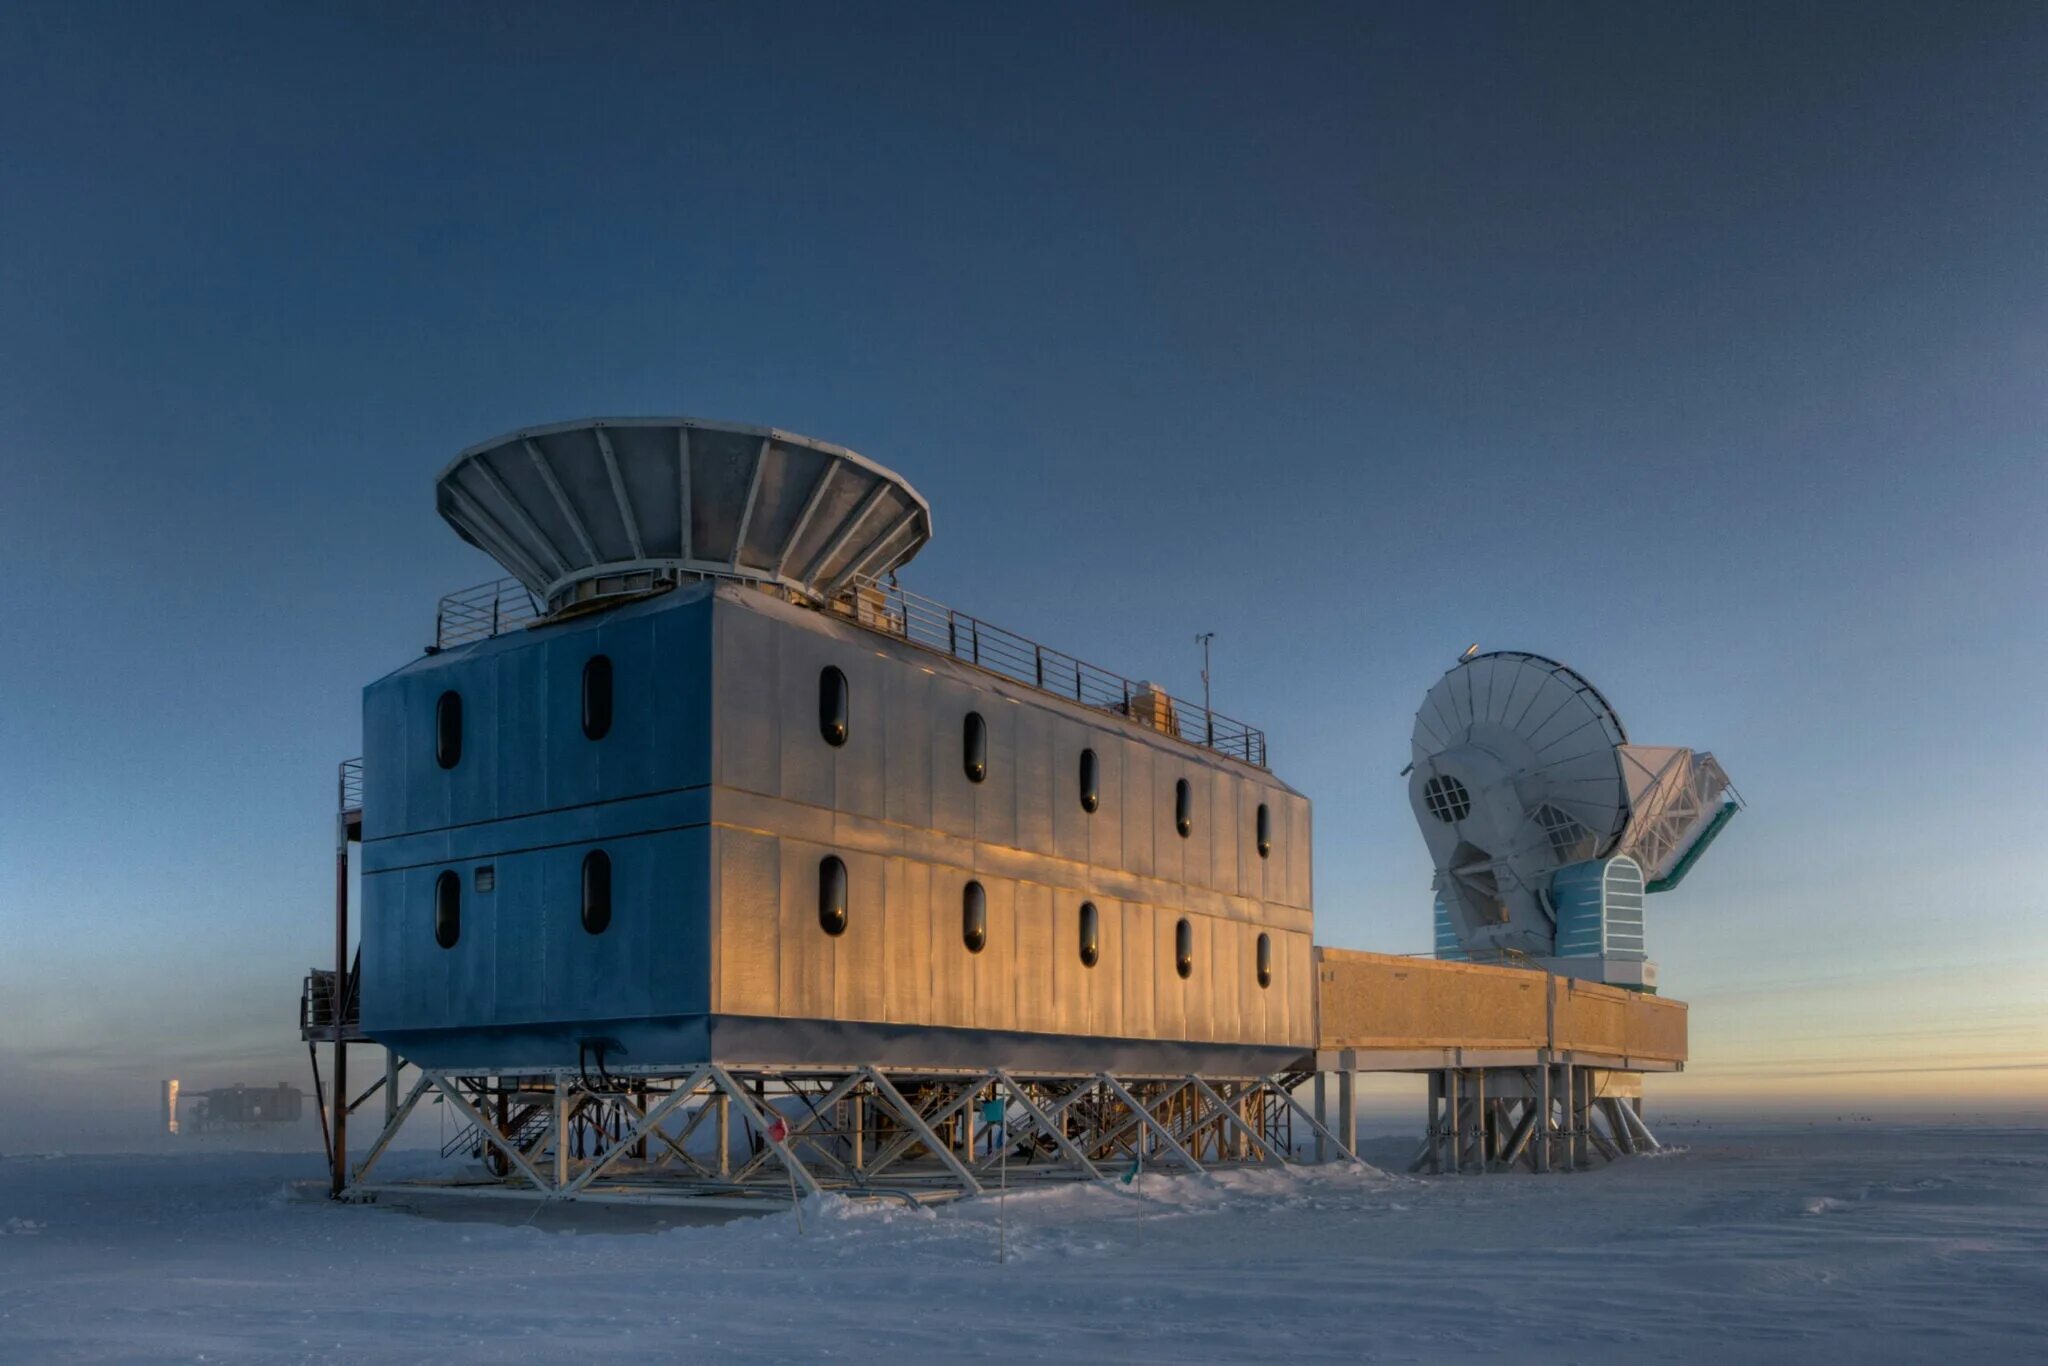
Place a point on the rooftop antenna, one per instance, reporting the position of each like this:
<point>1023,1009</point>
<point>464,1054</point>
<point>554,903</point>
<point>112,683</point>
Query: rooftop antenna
<point>1203,641</point>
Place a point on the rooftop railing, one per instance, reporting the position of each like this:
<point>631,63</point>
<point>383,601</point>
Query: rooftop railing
<point>351,786</point>
<point>491,608</point>
<point>895,611</point>
<point>483,611</point>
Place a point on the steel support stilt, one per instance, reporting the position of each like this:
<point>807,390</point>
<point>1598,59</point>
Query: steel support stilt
<point>1478,1109</point>
<point>397,1117</point>
<point>338,1178</point>
<point>1449,1165</point>
<point>1632,1115</point>
<point>724,1104</point>
<point>636,1137</point>
<point>1147,1120</point>
<point>1055,1130</point>
<point>1234,1123</point>
<point>1432,1159</point>
<point>1516,1140</point>
<point>1582,1116</point>
<point>1623,1137</point>
<point>1347,1110</point>
<point>561,1130</point>
<point>887,1093</point>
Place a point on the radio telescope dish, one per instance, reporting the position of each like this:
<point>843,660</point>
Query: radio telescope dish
<point>1521,769</point>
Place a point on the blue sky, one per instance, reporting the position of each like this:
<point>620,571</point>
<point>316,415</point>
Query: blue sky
<point>1700,347</point>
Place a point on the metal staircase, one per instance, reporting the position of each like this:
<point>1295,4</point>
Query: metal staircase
<point>526,1126</point>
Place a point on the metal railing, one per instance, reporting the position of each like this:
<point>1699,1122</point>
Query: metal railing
<point>351,786</point>
<point>319,1016</point>
<point>491,608</point>
<point>483,611</point>
<point>891,610</point>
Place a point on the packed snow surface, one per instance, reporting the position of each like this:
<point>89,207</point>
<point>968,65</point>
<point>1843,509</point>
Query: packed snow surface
<point>1841,1242</point>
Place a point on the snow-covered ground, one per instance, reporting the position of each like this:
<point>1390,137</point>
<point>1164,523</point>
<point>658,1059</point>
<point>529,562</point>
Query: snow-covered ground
<point>1844,1242</point>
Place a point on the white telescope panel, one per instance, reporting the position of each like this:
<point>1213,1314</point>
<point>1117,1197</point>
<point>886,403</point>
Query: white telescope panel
<point>1551,729</point>
<point>1520,770</point>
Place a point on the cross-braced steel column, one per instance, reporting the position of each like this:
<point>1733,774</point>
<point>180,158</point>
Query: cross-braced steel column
<point>1550,1117</point>
<point>557,1136</point>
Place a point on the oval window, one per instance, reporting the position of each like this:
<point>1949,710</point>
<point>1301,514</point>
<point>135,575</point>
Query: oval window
<point>447,909</point>
<point>974,917</point>
<point>597,697</point>
<point>1183,809</point>
<point>597,891</point>
<point>974,747</point>
<point>1265,831</point>
<point>448,730</point>
<point>1184,948</point>
<point>1265,960</point>
<point>1091,781</point>
<point>833,706</point>
<point>832,894</point>
<point>1091,935</point>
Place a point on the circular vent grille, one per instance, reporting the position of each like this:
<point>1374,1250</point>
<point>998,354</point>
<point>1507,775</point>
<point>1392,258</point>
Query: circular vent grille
<point>1447,799</point>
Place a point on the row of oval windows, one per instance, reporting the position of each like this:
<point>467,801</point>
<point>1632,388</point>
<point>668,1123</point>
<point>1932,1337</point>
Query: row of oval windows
<point>834,713</point>
<point>834,708</point>
<point>832,918</point>
<point>597,898</point>
<point>597,712</point>
<point>832,914</point>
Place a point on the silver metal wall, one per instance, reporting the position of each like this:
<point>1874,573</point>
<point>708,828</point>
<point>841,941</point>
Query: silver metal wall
<point>896,805</point>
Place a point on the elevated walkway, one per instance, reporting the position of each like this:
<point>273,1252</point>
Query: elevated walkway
<point>1525,1068</point>
<point>1378,1012</point>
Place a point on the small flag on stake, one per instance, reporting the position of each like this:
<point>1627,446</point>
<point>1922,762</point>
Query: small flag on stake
<point>992,1111</point>
<point>778,1131</point>
<point>1137,1161</point>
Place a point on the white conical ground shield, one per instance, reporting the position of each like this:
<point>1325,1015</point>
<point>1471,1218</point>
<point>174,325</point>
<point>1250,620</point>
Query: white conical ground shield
<point>576,507</point>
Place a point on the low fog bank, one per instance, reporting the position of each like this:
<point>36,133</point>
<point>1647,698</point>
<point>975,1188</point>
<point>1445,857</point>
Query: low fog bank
<point>120,1110</point>
<point>113,1106</point>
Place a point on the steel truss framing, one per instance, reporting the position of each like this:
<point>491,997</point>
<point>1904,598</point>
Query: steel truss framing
<point>713,1134</point>
<point>1545,1118</point>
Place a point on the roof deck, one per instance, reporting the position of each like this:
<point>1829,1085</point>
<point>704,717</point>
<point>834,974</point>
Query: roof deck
<point>491,609</point>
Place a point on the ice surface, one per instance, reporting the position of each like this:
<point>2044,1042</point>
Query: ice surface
<point>1831,1243</point>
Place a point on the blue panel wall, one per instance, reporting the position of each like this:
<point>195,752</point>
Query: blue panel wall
<point>1447,943</point>
<point>529,798</point>
<point>523,744</point>
<point>1599,909</point>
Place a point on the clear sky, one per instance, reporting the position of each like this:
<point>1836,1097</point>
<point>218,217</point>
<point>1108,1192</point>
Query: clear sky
<point>1703,348</point>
